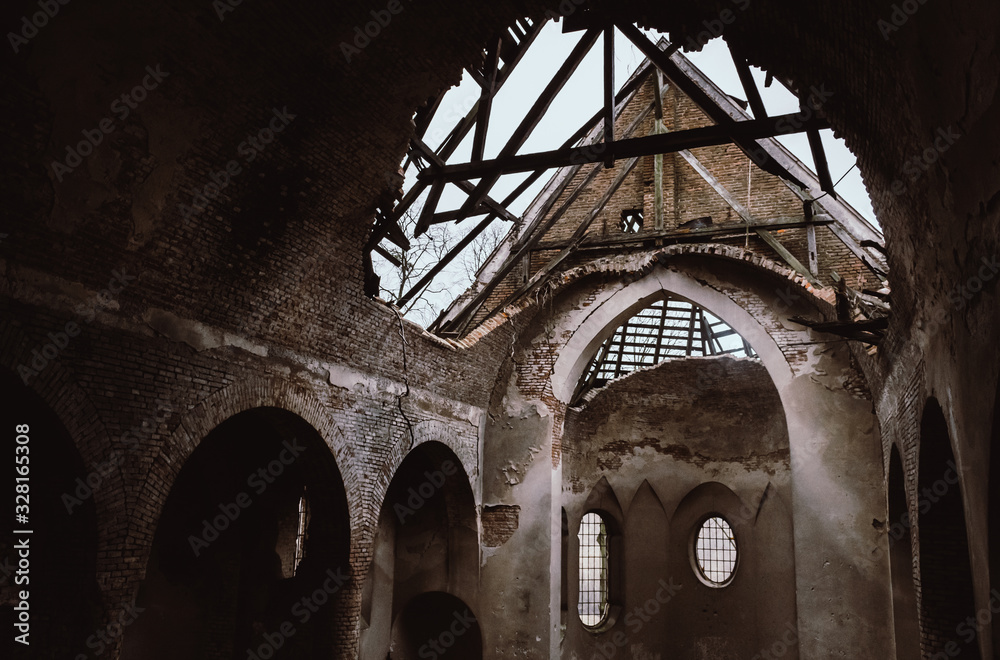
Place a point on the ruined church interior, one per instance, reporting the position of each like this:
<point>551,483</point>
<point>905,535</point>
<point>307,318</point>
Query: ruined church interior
<point>530,329</point>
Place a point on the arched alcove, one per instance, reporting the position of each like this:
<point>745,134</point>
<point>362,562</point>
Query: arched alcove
<point>427,541</point>
<point>64,602</point>
<point>603,503</point>
<point>832,476</point>
<point>252,550</point>
<point>436,625</point>
<point>904,597</point>
<point>946,588</point>
<point>721,617</point>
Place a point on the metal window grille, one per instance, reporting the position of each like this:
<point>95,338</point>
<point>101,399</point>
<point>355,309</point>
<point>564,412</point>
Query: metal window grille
<point>715,550</point>
<point>669,328</point>
<point>302,531</point>
<point>593,605</point>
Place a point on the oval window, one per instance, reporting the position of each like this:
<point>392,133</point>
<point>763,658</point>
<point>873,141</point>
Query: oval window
<point>715,551</point>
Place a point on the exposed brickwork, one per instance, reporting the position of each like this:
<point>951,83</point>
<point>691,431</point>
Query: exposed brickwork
<point>499,524</point>
<point>275,262</point>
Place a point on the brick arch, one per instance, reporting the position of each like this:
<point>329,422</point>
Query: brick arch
<point>72,406</point>
<point>638,265</point>
<point>198,422</point>
<point>423,432</point>
<point>755,318</point>
<point>835,456</point>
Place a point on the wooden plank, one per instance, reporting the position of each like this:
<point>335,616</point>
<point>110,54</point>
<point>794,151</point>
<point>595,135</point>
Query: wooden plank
<point>486,101</point>
<point>534,115</point>
<point>522,248</point>
<point>609,94</point>
<point>694,235</point>
<point>749,85</point>
<point>672,142</point>
<point>742,211</point>
<point>819,158</point>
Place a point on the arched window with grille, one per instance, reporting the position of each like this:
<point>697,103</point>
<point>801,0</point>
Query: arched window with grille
<point>594,570</point>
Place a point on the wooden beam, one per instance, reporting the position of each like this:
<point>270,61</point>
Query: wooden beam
<point>428,211</point>
<point>686,235</point>
<point>575,239</point>
<point>811,246</point>
<point>749,86</point>
<point>464,186</point>
<point>609,94</point>
<point>387,256</point>
<point>692,138</point>
<point>524,245</point>
<point>744,213</point>
<point>445,260</point>
<point>819,158</point>
<point>658,129</point>
<point>486,100</point>
<point>534,114</point>
<point>658,95</point>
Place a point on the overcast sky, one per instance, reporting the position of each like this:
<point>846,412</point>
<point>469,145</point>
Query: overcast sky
<point>579,100</point>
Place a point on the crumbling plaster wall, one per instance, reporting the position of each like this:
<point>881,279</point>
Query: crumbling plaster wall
<point>836,486</point>
<point>672,429</point>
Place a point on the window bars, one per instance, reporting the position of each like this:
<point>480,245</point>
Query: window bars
<point>669,328</point>
<point>715,550</point>
<point>593,604</point>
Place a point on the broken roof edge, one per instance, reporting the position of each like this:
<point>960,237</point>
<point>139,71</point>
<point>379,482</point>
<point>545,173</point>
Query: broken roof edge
<point>850,227</point>
<point>641,264</point>
<point>839,209</point>
<point>536,211</point>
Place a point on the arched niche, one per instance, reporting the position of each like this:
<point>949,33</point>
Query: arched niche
<point>65,605</point>
<point>427,541</point>
<point>602,501</point>
<point>251,554</point>
<point>439,625</point>
<point>946,586</point>
<point>647,539</point>
<point>756,608</point>
<point>832,432</point>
